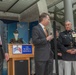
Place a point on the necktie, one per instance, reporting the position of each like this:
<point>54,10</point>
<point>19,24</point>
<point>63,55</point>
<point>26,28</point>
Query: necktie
<point>45,31</point>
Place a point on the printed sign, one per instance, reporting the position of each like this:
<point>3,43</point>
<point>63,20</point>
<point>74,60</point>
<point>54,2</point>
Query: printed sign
<point>17,49</point>
<point>26,49</point>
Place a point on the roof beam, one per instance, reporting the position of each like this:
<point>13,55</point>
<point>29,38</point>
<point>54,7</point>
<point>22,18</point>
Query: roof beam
<point>12,5</point>
<point>61,8</point>
<point>53,12</point>
<point>29,6</point>
<point>54,3</point>
<point>58,10</point>
<point>74,3</point>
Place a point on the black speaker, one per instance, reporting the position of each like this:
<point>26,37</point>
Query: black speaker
<point>21,67</point>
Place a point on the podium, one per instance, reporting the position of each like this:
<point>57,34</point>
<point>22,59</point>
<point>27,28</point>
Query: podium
<point>19,58</point>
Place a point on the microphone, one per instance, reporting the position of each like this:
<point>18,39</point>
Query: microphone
<point>50,33</point>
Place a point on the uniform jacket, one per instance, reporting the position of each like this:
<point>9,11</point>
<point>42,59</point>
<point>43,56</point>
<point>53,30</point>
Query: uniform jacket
<point>65,39</point>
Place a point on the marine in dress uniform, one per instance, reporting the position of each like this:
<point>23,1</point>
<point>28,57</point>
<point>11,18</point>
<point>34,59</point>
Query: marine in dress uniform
<point>67,40</point>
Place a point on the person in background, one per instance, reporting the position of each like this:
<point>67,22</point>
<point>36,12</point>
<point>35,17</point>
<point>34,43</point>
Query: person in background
<point>3,45</point>
<point>16,40</point>
<point>67,41</point>
<point>32,61</point>
<point>43,53</point>
<point>60,62</point>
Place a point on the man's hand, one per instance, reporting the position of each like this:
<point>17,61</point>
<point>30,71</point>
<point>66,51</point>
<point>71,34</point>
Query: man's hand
<point>73,51</point>
<point>59,54</point>
<point>69,51</point>
<point>49,38</point>
<point>6,56</point>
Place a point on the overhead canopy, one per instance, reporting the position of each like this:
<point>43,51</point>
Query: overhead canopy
<point>16,6</point>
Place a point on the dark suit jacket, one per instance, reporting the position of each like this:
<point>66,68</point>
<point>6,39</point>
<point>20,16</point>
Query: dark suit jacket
<point>42,46</point>
<point>3,33</point>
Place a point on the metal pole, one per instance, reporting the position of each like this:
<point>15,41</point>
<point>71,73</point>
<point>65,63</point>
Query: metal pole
<point>55,42</point>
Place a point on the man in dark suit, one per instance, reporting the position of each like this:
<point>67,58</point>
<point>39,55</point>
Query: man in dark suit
<point>3,45</point>
<point>41,40</point>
